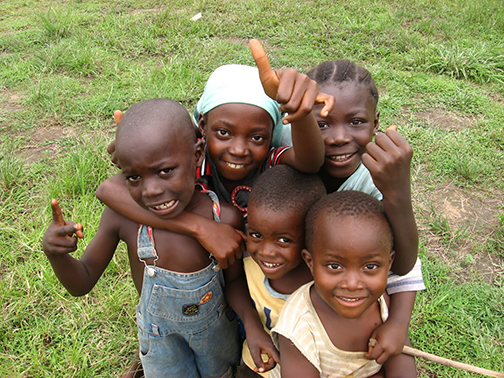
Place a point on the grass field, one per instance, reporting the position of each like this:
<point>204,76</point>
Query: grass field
<point>66,66</point>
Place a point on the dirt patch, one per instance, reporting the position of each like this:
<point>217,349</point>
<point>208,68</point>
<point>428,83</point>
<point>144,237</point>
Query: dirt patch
<point>455,225</point>
<point>42,142</point>
<point>446,120</point>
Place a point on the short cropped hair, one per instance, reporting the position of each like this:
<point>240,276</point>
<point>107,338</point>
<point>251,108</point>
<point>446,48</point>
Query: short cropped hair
<point>157,112</point>
<point>284,188</point>
<point>337,71</point>
<point>347,203</point>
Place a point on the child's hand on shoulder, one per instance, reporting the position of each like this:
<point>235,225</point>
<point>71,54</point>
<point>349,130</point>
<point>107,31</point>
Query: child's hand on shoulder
<point>296,92</point>
<point>388,159</point>
<point>224,242</point>
<point>61,237</point>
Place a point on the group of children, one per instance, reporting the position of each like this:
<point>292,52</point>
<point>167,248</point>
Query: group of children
<point>187,196</point>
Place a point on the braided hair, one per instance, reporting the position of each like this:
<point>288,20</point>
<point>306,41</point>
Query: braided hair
<point>333,72</point>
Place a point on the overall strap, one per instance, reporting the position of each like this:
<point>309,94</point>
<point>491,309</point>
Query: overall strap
<point>216,210</point>
<point>145,245</point>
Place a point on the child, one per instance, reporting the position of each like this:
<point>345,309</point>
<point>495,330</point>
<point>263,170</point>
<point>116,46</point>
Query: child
<point>278,204</point>
<point>325,326</point>
<point>238,118</point>
<point>348,132</point>
<point>182,312</point>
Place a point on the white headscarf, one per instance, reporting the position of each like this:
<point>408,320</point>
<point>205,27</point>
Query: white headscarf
<point>235,83</point>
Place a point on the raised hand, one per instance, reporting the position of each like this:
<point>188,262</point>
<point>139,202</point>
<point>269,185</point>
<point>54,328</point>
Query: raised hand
<point>295,91</point>
<point>61,236</point>
<point>388,159</point>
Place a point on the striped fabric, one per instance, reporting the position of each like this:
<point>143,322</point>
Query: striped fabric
<point>300,324</point>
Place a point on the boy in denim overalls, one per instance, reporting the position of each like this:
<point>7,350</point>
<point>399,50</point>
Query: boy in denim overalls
<point>185,327</point>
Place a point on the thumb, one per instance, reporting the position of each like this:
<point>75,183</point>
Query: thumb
<point>79,230</point>
<point>118,116</point>
<point>269,77</point>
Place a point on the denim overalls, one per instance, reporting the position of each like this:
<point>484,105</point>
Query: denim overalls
<point>185,327</point>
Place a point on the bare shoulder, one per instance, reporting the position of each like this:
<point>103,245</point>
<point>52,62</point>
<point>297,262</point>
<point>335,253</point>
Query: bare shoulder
<point>229,214</point>
<point>113,222</point>
<point>232,216</point>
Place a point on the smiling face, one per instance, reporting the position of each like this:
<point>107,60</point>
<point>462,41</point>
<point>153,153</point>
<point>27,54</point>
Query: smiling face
<point>159,167</point>
<point>348,128</point>
<point>350,259</point>
<point>237,139</point>
<point>275,240</point>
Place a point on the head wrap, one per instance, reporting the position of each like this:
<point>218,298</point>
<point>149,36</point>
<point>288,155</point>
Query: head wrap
<point>235,83</point>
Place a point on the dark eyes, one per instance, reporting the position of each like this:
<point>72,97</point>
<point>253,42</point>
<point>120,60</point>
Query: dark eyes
<point>133,178</point>
<point>371,266</point>
<point>323,125</point>
<point>334,266</point>
<point>284,240</point>
<point>353,122</point>
<point>258,138</point>
<point>165,171</point>
<point>222,132</point>
<point>255,235</point>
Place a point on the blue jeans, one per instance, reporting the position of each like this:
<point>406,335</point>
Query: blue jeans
<point>185,327</point>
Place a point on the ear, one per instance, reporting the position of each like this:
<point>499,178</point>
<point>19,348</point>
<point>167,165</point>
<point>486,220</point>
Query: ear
<point>376,122</point>
<point>199,152</point>
<point>307,257</point>
<point>201,124</point>
<point>392,256</point>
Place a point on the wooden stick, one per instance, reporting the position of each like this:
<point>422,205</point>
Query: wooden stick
<point>444,361</point>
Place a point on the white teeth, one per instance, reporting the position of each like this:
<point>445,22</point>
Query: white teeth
<point>164,206</point>
<point>350,299</point>
<point>340,157</point>
<point>235,166</point>
<point>268,265</point>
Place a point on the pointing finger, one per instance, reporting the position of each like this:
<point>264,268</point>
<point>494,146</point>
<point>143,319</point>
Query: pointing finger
<point>269,77</point>
<point>56,211</point>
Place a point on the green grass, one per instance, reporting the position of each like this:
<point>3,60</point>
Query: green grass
<point>65,67</point>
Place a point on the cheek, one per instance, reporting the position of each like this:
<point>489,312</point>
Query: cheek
<point>135,193</point>
<point>214,146</point>
<point>260,153</point>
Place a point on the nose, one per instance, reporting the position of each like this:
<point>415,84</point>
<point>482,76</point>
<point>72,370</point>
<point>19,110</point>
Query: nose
<point>266,250</point>
<point>151,188</point>
<point>337,135</point>
<point>239,147</point>
<point>352,282</point>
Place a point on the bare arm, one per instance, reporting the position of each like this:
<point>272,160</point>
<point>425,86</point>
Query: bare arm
<point>293,364</point>
<point>220,239</point>
<point>238,296</point>
<point>297,94</point>
<point>392,334</point>
<point>79,275</point>
<point>388,160</point>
